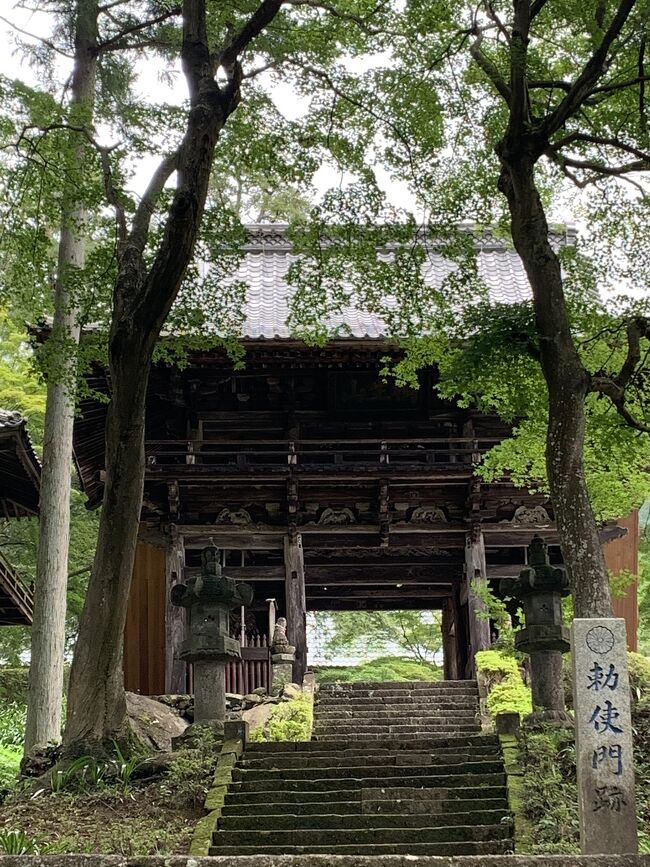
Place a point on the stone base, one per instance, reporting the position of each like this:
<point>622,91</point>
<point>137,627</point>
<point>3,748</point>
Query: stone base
<point>280,658</point>
<point>556,718</point>
<point>282,674</point>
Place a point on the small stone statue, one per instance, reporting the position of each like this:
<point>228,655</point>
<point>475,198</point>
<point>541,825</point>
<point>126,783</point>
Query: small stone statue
<point>280,641</point>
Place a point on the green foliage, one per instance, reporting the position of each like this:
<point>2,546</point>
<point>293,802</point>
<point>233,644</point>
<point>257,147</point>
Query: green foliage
<point>189,777</point>
<point>415,634</point>
<point>381,670</point>
<point>290,721</point>
<point>506,689</point>
<point>12,724</point>
<point>639,670</point>
<point>10,757</point>
<point>18,843</point>
<point>13,684</point>
<point>550,799</point>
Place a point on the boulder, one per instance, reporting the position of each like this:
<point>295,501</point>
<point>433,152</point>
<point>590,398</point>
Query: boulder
<point>252,699</point>
<point>259,691</point>
<point>291,691</point>
<point>152,722</point>
<point>258,716</point>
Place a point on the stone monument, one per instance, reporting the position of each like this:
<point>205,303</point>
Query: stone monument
<point>601,700</point>
<point>209,599</point>
<point>540,587</point>
<point>282,656</point>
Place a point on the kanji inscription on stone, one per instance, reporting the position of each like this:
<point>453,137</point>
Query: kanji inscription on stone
<point>603,724</point>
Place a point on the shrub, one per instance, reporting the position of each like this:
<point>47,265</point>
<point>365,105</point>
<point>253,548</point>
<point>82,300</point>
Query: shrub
<point>506,690</point>
<point>13,685</point>
<point>290,721</point>
<point>9,767</point>
<point>12,724</point>
<point>639,668</point>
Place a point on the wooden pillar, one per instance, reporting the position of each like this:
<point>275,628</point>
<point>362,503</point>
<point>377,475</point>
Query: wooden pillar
<point>296,603</point>
<point>461,628</point>
<point>175,621</point>
<point>449,641</point>
<point>476,576</point>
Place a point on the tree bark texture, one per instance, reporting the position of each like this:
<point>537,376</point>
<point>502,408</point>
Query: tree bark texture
<point>142,299</point>
<point>568,383</point>
<point>50,593</point>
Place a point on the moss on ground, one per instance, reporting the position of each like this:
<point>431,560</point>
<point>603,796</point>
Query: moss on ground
<point>112,816</point>
<point>381,670</point>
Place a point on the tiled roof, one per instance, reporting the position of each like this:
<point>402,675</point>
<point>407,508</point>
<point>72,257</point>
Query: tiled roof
<point>268,255</point>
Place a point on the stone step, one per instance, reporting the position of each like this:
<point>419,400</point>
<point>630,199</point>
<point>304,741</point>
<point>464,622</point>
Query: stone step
<point>394,694</point>
<point>389,744</point>
<point>431,798</point>
<point>397,719</point>
<point>360,836</point>
<point>398,685</point>
<point>332,821</point>
<point>324,784</point>
<point>396,729</point>
<point>367,758</point>
<point>346,711</point>
<point>398,805</point>
<point>383,772</point>
<point>500,847</point>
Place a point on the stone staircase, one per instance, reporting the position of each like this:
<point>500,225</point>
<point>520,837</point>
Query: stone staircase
<point>392,769</point>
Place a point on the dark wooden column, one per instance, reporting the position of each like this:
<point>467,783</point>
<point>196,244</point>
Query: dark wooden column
<point>461,628</point>
<point>449,641</point>
<point>294,564</point>
<point>175,620</point>
<point>476,576</point>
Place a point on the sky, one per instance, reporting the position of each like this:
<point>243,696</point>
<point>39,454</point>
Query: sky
<point>171,89</point>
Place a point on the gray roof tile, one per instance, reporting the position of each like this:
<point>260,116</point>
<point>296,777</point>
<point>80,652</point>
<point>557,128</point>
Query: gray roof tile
<point>268,257</point>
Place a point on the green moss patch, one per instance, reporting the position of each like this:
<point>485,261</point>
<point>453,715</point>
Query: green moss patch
<point>381,670</point>
<point>506,689</point>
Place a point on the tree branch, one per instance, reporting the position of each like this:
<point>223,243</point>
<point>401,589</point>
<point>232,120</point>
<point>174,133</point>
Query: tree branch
<point>489,69</point>
<point>535,8</point>
<point>147,206</point>
<point>117,42</point>
<point>263,15</point>
<point>593,69</point>
<point>614,387</point>
<point>46,42</point>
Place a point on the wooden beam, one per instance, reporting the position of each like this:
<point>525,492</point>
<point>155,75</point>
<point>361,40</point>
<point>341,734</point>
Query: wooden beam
<point>296,612</point>
<point>370,593</point>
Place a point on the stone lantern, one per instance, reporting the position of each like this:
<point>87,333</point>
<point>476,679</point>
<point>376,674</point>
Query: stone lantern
<point>540,588</point>
<point>210,597</point>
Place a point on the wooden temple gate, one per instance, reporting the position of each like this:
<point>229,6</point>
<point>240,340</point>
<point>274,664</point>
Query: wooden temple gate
<point>328,486</point>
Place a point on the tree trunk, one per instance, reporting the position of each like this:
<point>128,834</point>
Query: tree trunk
<point>97,708</point>
<point>142,298</point>
<point>50,593</point>
<point>568,384</point>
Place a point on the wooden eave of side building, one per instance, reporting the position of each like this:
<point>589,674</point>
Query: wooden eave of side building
<point>20,475</point>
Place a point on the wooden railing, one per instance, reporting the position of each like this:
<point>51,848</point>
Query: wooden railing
<point>20,595</point>
<point>252,670</point>
<point>243,455</point>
